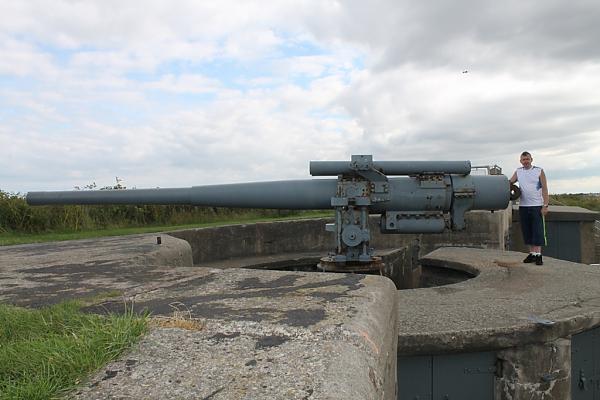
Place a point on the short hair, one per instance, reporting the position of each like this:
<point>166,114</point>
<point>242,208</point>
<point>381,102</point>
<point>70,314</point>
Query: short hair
<point>525,154</point>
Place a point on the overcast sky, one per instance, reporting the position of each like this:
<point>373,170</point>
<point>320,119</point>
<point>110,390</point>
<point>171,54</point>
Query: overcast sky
<point>163,93</point>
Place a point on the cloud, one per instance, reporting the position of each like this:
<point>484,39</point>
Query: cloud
<point>165,94</point>
<point>463,33</point>
<point>21,59</point>
<point>188,83</point>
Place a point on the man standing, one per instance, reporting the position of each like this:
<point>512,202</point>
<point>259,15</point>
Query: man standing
<point>533,206</point>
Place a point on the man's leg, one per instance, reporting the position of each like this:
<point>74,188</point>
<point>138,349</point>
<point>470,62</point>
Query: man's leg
<point>526,225</point>
<point>538,231</point>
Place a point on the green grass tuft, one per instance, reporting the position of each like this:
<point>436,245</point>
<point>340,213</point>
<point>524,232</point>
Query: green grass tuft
<point>45,352</point>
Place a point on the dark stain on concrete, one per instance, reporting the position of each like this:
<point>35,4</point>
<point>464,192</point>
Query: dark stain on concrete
<point>270,341</point>
<point>256,283</point>
<point>109,374</point>
<point>214,311</point>
<point>219,337</point>
<point>296,317</point>
<point>446,289</point>
<point>327,296</point>
<point>202,280</point>
<point>130,363</point>
<point>55,283</point>
<point>47,295</point>
<point>75,268</point>
<point>117,271</point>
<point>210,396</point>
<point>304,318</point>
<point>351,282</point>
<point>204,306</point>
<point>197,310</point>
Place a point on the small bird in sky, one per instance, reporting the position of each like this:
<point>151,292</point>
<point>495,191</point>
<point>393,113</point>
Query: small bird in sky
<point>466,71</point>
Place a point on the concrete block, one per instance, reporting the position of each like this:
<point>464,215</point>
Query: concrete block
<point>264,335</point>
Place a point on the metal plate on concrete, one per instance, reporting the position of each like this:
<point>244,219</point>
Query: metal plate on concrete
<point>464,376</point>
<point>585,365</point>
<point>563,240</point>
<point>414,377</point>
<point>447,377</point>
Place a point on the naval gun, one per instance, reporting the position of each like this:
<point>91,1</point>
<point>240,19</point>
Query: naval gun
<point>421,197</point>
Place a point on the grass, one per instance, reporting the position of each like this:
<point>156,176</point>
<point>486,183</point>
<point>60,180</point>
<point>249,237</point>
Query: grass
<point>580,200</point>
<point>45,352</point>
<point>12,238</point>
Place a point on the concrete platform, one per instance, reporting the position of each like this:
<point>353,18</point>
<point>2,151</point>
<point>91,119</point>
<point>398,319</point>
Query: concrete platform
<point>506,304</point>
<point>263,334</point>
<point>296,335</point>
<point>47,273</point>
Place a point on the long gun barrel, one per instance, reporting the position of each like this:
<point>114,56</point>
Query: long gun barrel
<point>310,194</point>
<point>428,198</point>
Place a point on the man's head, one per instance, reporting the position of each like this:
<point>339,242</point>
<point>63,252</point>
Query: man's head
<point>526,159</point>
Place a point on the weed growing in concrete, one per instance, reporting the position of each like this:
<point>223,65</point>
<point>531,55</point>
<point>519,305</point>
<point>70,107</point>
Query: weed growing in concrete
<point>181,318</point>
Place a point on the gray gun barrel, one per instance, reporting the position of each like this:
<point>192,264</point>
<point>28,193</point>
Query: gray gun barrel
<point>406,193</point>
<point>332,168</point>
<point>301,194</point>
<point>427,197</point>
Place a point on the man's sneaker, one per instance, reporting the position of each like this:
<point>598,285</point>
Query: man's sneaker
<point>538,260</point>
<point>530,258</point>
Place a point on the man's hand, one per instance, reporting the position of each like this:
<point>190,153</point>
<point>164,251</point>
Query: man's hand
<point>544,210</point>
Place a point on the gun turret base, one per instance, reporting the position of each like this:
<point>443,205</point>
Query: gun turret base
<point>328,264</point>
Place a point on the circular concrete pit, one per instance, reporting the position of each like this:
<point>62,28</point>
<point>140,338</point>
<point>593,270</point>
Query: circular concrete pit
<point>429,275</point>
<point>511,331</point>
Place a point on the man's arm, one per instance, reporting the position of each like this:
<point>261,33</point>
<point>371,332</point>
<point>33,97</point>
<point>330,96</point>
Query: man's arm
<point>513,178</point>
<point>545,196</point>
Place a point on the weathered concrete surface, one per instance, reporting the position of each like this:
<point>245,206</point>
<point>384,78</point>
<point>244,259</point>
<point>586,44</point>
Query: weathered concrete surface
<point>535,372</point>
<point>47,273</point>
<point>265,334</point>
<point>500,306</point>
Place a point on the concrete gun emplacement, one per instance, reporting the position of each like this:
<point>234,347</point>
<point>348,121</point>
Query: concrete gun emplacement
<point>424,197</point>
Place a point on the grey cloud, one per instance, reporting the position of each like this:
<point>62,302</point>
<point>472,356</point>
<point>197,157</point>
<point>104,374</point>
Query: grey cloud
<point>463,32</point>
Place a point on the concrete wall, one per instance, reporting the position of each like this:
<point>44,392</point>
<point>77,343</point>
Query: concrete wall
<point>484,230</point>
<point>258,239</point>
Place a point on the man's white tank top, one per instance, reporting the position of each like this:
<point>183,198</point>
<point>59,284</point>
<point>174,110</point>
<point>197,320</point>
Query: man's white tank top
<point>531,186</point>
